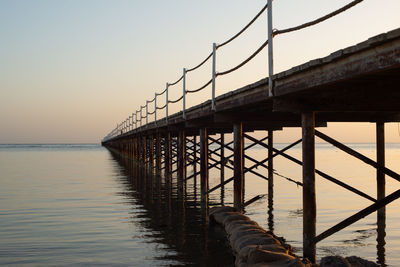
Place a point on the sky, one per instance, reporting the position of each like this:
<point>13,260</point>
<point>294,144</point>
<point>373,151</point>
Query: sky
<point>71,70</point>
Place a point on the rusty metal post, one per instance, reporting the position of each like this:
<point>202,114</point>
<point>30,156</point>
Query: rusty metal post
<point>204,166</point>
<point>238,139</point>
<point>309,201</point>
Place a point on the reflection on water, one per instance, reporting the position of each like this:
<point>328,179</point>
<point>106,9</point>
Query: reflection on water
<point>82,205</point>
<point>174,220</point>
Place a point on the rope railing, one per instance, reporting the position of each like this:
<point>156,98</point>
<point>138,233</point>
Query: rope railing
<point>245,28</point>
<point>201,64</point>
<point>245,61</point>
<point>175,101</point>
<point>199,89</point>
<point>321,19</point>
<point>159,108</point>
<point>158,94</point>
<point>172,84</point>
<point>130,124</point>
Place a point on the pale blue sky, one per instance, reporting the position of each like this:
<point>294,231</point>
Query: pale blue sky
<point>70,70</point>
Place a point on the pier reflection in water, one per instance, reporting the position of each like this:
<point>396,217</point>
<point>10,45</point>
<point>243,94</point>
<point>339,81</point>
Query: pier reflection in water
<point>175,221</point>
<point>179,224</point>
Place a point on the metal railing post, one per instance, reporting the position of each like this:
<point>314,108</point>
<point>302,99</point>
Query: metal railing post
<point>184,93</point>
<point>213,76</point>
<point>147,113</point>
<point>155,108</point>
<point>136,120</point>
<point>270,50</point>
<point>141,116</point>
<point>166,104</point>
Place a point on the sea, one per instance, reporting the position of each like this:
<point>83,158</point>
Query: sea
<point>85,205</point>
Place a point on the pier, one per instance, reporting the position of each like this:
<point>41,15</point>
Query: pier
<point>355,84</point>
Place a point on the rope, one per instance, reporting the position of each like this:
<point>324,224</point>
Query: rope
<point>201,64</point>
<point>244,62</point>
<point>171,84</point>
<point>287,178</point>
<point>151,113</point>
<point>328,16</point>
<point>162,107</point>
<point>245,28</point>
<point>201,88</point>
<point>151,100</point>
<point>175,101</point>
<point>161,92</point>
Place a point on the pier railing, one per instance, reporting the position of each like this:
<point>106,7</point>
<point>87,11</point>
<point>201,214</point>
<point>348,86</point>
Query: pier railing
<point>135,120</point>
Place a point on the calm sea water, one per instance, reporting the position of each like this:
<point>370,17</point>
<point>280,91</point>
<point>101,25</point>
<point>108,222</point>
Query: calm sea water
<point>74,205</point>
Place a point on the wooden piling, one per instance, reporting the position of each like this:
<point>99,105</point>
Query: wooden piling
<point>151,151</point>
<point>195,158</point>
<point>168,153</point>
<point>381,184</point>
<point>204,166</point>
<point>158,151</point>
<point>238,139</point>
<point>380,156</point>
<point>309,201</point>
<point>270,165</point>
<point>181,155</point>
<point>222,174</point>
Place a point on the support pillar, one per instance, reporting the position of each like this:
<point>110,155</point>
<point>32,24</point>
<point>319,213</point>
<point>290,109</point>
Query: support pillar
<point>238,140</point>
<point>151,151</point>
<point>309,201</point>
<point>380,177</point>
<point>168,153</point>
<point>181,156</point>
<point>222,174</point>
<point>158,152</point>
<point>270,181</point>
<point>204,166</point>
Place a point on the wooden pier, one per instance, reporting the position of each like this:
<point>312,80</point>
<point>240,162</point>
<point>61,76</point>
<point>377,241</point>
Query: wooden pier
<point>357,84</point>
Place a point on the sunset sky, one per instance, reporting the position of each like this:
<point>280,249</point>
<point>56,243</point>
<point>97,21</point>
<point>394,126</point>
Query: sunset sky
<point>71,70</point>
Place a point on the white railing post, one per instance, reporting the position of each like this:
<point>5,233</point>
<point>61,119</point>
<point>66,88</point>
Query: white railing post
<point>147,113</point>
<point>155,108</point>
<point>184,93</point>
<point>270,50</point>
<point>213,76</point>
<point>133,123</point>
<point>141,115</point>
<point>136,120</point>
<point>166,104</point>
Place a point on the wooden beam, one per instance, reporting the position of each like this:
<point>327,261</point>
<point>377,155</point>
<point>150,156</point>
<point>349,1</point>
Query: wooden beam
<point>358,216</point>
<point>380,177</point>
<point>309,201</point>
<point>270,167</point>
<point>358,155</point>
<point>238,166</point>
<point>204,166</point>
